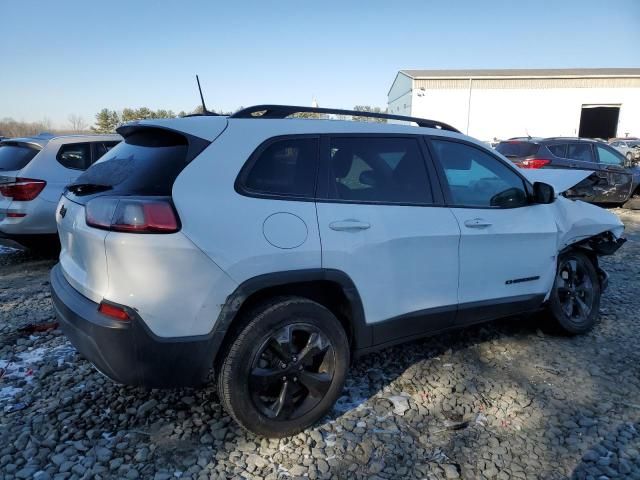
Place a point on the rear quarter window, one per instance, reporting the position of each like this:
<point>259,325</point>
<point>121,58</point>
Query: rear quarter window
<point>285,167</point>
<point>76,156</point>
<point>16,155</point>
<point>516,149</point>
<point>558,150</point>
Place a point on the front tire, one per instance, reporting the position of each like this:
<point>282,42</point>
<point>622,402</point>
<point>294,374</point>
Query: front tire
<point>575,299</point>
<point>285,368</point>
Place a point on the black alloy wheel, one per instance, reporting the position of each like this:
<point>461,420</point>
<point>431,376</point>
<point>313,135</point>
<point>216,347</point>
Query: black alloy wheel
<point>292,371</point>
<point>575,298</point>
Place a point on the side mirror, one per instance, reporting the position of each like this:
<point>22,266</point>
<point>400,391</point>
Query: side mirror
<point>543,193</point>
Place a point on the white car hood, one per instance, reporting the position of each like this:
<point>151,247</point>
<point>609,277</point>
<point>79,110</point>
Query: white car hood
<point>560,179</point>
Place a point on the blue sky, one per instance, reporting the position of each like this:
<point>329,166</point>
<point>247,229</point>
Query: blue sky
<point>76,57</point>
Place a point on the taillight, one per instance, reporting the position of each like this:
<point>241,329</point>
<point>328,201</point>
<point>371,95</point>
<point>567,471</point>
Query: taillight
<point>112,311</point>
<point>534,163</point>
<point>22,189</point>
<point>136,215</point>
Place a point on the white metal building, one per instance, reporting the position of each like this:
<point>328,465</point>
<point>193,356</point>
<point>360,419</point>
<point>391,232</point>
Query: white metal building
<point>595,102</point>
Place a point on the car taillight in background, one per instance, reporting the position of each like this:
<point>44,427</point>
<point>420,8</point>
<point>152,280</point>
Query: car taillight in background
<point>22,189</point>
<point>135,215</point>
<point>534,163</point>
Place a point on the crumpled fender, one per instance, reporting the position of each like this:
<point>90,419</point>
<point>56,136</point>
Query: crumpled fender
<point>578,220</point>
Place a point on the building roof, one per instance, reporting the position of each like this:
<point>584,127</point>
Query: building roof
<point>525,73</point>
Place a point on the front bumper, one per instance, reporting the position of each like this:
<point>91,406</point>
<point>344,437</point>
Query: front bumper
<point>128,352</point>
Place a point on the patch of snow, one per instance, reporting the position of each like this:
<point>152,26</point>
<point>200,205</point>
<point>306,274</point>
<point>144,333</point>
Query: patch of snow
<point>23,365</point>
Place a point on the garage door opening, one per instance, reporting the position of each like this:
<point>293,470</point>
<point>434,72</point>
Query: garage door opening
<point>599,121</point>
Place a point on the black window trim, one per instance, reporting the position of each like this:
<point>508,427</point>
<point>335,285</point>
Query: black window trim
<point>443,178</point>
<point>322,193</point>
<point>242,189</point>
<point>76,143</point>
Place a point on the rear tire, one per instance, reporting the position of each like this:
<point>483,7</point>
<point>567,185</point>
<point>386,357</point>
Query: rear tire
<point>575,298</point>
<point>285,368</point>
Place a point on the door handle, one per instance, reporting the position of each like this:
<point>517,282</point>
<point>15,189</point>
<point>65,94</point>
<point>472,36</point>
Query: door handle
<point>348,225</point>
<point>477,223</point>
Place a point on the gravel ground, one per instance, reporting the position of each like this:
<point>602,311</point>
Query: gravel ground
<point>508,399</point>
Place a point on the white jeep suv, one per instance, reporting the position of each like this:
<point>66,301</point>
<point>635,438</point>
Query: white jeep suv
<point>33,174</point>
<point>273,250</point>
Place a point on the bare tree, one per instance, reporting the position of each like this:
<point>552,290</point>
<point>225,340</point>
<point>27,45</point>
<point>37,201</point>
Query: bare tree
<point>77,123</point>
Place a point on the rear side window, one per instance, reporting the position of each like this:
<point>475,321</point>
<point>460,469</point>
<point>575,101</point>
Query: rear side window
<point>147,162</point>
<point>378,169</point>
<point>515,149</point>
<point>75,155</point>
<point>580,151</point>
<point>477,179</point>
<point>286,167</point>
<point>15,155</point>
<point>558,150</point>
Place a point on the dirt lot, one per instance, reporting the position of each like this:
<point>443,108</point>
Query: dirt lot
<point>505,400</point>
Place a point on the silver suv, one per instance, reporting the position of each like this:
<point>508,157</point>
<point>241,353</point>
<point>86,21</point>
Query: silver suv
<point>33,174</point>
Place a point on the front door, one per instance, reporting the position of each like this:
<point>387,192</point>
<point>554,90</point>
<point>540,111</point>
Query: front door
<point>380,225</point>
<point>508,245</point>
<point>619,180</point>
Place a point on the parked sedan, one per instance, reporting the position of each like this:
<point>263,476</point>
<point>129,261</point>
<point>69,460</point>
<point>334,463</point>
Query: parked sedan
<point>613,182</point>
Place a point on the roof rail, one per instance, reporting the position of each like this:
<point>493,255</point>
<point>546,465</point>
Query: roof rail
<point>283,111</point>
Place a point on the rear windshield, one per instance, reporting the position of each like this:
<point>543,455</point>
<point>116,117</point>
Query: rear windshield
<point>16,156</point>
<point>147,162</point>
<point>514,149</point>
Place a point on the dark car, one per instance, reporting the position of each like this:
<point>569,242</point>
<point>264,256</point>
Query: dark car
<point>613,180</point>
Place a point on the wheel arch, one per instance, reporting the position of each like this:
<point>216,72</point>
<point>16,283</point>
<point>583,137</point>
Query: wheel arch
<point>331,288</point>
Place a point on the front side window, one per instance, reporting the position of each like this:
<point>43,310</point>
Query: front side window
<point>378,169</point>
<point>75,155</point>
<point>608,157</point>
<point>286,167</point>
<point>580,151</point>
<point>478,179</point>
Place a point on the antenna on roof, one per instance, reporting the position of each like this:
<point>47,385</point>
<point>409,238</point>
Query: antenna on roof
<point>204,107</point>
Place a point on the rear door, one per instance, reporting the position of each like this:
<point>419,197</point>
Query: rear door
<point>507,245</point>
<point>582,156</point>
<point>382,223</point>
<point>619,178</point>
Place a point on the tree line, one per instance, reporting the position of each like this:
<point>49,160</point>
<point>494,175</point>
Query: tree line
<point>107,120</point>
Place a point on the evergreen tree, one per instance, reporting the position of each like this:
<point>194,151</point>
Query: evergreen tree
<point>106,121</point>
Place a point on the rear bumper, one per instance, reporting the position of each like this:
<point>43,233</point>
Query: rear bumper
<point>128,352</point>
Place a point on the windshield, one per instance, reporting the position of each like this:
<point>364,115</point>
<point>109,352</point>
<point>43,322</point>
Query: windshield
<point>16,156</point>
<point>515,148</point>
